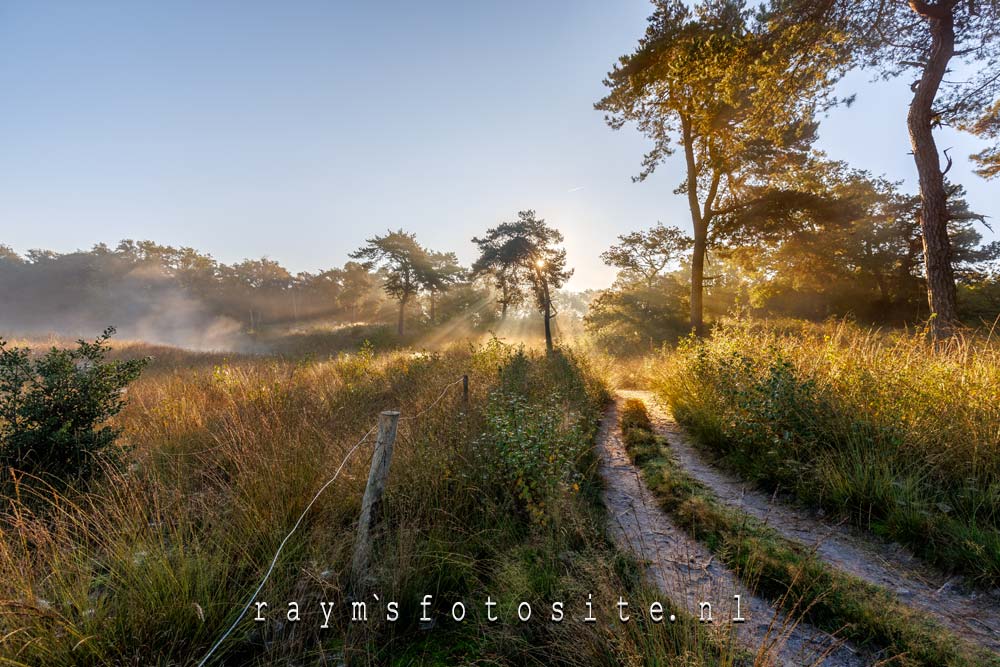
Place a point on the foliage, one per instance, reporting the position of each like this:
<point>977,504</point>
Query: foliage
<point>923,38</point>
<point>441,272</point>
<point>528,247</point>
<point>867,261</point>
<point>979,298</point>
<point>896,37</point>
<point>645,306</point>
<point>174,294</point>
<point>409,268</point>
<point>499,262</point>
<point>535,454</point>
<point>887,430</point>
<point>524,255</point>
<point>405,262</point>
<point>727,86</point>
<point>54,408</point>
<point>630,319</point>
<point>643,256</point>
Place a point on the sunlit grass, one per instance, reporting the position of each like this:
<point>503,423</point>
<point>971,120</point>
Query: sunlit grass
<point>224,451</point>
<point>897,433</point>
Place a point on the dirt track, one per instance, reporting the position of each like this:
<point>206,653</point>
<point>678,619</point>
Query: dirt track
<point>972,615</point>
<point>686,571</point>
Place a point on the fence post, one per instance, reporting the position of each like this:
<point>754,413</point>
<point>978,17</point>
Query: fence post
<point>377,476</point>
<point>465,390</point>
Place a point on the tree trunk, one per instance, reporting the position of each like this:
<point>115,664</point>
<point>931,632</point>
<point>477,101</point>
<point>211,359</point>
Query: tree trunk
<point>433,319</point>
<point>548,325</point>
<point>698,279</point>
<point>699,221</point>
<point>883,288</point>
<point>503,311</point>
<point>933,198</point>
<point>402,307</point>
<point>547,313</point>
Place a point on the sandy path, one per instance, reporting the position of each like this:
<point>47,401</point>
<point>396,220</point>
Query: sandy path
<point>970,614</point>
<point>688,574</point>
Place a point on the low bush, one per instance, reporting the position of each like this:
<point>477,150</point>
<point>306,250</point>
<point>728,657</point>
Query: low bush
<point>55,407</point>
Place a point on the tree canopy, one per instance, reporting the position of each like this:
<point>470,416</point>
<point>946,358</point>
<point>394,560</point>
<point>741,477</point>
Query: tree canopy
<point>729,87</point>
<point>524,253</point>
<point>645,255</point>
<point>406,263</point>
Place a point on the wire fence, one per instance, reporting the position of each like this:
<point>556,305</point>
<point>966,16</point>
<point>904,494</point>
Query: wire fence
<point>277,553</point>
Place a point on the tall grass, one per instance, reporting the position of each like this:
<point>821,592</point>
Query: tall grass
<point>149,566</point>
<point>898,434</point>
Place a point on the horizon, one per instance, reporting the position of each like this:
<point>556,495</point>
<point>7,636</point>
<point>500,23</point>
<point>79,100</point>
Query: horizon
<point>272,132</point>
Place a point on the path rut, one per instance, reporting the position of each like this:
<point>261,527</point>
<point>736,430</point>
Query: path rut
<point>973,615</point>
<point>687,573</point>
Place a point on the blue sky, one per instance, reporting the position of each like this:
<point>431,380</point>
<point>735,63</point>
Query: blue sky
<point>296,129</point>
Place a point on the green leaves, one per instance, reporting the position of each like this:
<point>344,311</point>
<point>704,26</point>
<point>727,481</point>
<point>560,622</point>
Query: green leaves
<point>533,448</point>
<point>54,407</point>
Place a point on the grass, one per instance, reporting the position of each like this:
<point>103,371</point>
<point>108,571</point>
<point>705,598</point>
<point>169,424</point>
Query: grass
<point>785,572</point>
<point>151,564</point>
<point>887,429</point>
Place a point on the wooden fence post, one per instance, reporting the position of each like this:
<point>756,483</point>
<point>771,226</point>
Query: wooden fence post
<point>377,476</point>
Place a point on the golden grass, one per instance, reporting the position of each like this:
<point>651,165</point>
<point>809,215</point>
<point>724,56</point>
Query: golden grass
<point>151,564</point>
<point>898,433</point>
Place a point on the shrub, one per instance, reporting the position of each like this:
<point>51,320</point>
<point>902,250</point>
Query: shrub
<point>539,425</point>
<point>54,407</point>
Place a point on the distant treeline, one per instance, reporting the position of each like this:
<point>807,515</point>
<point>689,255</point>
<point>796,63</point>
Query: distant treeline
<point>176,294</point>
<point>183,296</point>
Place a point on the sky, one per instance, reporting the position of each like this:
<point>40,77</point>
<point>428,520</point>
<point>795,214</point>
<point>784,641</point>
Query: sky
<point>295,130</point>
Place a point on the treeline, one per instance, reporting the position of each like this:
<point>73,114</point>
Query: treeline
<point>740,89</point>
<point>858,252</point>
<point>172,294</point>
<point>183,296</point>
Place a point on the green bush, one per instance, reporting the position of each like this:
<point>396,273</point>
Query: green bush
<point>539,426</point>
<point>54,407</point>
